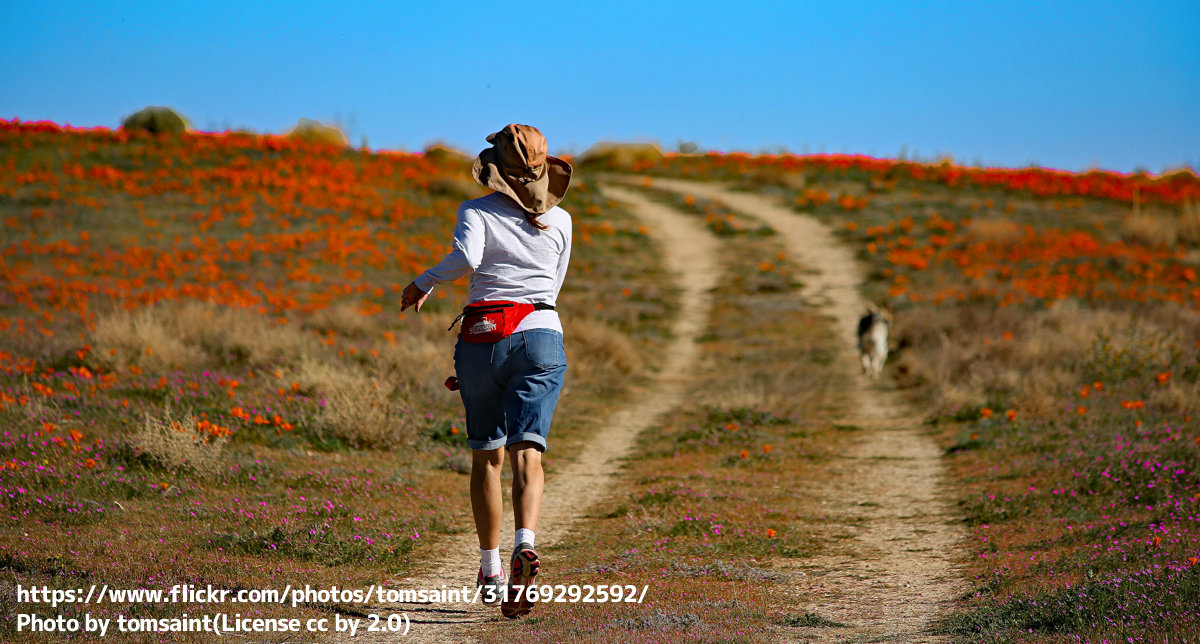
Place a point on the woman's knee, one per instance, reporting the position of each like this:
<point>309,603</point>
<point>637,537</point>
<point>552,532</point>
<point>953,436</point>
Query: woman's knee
<point>525,454</point>
<point>489,458</point>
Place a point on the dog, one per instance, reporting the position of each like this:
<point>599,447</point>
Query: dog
<point>873,331</point>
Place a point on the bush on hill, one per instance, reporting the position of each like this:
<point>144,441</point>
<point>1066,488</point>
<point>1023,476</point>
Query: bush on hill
<point>317,132</point>
<point>622,156</point>
<point>155,120</point>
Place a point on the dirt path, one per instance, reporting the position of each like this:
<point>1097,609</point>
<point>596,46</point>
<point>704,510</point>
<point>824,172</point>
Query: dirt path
<point>688,250</point>
<point>889,570</point>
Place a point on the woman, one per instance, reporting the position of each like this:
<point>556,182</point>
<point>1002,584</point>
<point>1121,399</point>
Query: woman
<point>515,243</point>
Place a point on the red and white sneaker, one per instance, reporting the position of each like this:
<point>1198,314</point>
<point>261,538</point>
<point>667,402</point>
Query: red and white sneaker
<point>492,589</point>
<point>525,564</point>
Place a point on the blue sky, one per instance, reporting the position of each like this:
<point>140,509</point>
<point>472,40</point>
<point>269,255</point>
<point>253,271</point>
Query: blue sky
<point>1069,85</point>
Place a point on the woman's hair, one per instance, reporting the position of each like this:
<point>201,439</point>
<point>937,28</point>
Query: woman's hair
<point>533,221</point>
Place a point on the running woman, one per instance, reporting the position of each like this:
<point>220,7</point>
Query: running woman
<point>515,243</point>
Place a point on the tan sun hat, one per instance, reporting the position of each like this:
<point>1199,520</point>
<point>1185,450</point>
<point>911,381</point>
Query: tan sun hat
<point>517,165</point>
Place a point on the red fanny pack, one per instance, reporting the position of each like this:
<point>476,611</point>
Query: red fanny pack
<point>490,321</point>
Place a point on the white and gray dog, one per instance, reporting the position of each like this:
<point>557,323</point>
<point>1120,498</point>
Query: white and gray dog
<point>873,339</point>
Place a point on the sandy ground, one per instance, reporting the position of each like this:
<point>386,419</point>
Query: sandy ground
<point>687,250</point>
<point>889,570</point>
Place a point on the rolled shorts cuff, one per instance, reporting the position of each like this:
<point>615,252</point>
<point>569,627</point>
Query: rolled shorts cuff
<point>486,445</point>
<point>532,437</point>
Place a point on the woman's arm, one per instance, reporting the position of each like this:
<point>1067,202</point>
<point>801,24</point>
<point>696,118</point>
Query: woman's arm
<point>462,260</point>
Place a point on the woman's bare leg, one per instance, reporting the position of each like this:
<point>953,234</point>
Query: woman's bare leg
<point>486,502</point>
<point>528,483</point>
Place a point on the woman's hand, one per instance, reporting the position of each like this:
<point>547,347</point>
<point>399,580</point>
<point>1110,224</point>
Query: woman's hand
<point>412,296</point>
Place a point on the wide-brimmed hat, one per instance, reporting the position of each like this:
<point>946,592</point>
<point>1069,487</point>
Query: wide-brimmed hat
<point>517,165</point>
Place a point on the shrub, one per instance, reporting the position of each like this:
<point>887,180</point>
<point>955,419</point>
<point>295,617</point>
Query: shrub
<point>178,444</point>
<point>360,409</point>
<point>155,120</point>
<point>1151,226</point>
<point>622,156</point>
<point>317,132</point>
<point>444,154</point>
<point>1161,227</point>
<point>366,414</point>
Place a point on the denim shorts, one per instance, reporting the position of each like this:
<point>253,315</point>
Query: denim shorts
<point>509,388</point>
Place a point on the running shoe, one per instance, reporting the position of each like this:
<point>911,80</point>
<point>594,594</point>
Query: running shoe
<point>492,591</point>
<point>524,570</point>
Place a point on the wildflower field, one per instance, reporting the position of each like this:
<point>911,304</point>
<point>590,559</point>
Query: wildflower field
<point>205,379</point>
<point>1050,322</point>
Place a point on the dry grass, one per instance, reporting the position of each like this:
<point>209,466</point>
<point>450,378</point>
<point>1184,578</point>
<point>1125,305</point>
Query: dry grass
<point>965,354</point>
<point>994,230</point>
<point>1151,227</point>
<point>790,389</point>
<point>142,338</point>
<point>595,346</point>
<point>367,414</point>
<point>176,444</point>
<point>367,402</point>
<point>415,366</point>
<point>360,406</point>
<point>455,187</point>
<point>1182,397</point>
<point>767,176</point>
<point>344,319</point>
<point>1159,227</point>
<point>194,335</point>
<point>1189,223</point>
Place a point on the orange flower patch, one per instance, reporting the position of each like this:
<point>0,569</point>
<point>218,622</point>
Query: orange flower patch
<point>205,426</point>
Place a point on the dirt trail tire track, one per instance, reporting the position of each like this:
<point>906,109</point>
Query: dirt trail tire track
<point>690,254</point>
<point>896,573</point>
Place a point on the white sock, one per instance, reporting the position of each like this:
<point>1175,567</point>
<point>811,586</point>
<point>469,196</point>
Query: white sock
<point>524,535</point>
<point>490,560</point>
